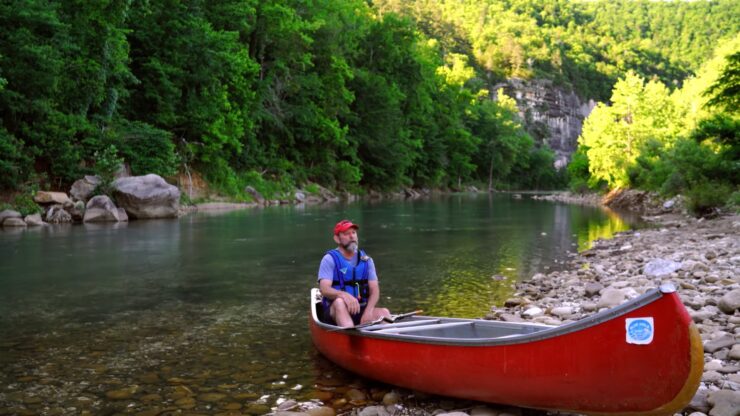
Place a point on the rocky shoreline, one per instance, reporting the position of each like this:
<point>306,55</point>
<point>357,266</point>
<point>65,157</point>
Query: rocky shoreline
<point>699,257</point>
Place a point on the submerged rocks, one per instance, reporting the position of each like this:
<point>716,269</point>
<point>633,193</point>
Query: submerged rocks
<point>147,196</point>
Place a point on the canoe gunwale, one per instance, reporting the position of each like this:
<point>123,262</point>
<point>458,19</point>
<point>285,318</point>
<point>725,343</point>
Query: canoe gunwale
<point>543,332</point>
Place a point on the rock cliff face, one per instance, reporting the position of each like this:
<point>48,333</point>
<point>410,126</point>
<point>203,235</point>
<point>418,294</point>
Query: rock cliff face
<point>551,114</point>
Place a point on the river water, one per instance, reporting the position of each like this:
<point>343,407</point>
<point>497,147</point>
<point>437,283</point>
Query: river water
<point>210,310</point>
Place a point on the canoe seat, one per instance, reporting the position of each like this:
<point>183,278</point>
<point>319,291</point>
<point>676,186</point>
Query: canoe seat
<point>381,327</point>
<point>431,329</point>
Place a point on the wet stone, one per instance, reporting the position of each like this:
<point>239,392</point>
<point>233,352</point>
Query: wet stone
<point>149,378</point>
<point>185,402</point>
<point>391,398</point>
<point>150,412</point>
<point>245,396</point>
<point>321,411</point>
<point>151,398</point>
<point>232,406</point>
<point>256,409</point>
<point>355,395</point>
<point>324,396</point>
<point>339,403</point>
<point>120,394</point>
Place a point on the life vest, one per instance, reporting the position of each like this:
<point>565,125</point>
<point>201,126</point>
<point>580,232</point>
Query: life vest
<point>350,275</point>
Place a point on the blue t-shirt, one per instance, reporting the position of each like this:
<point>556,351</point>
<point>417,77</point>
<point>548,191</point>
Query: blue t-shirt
<point>326,269</point>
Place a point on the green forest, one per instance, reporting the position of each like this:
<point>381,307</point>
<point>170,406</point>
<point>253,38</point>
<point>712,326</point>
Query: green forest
<point>368,95</point>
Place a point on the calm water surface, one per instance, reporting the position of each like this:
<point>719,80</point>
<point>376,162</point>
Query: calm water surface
<point>218,303</point>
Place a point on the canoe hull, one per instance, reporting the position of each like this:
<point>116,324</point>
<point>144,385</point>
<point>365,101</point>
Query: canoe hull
<point>591,371</point>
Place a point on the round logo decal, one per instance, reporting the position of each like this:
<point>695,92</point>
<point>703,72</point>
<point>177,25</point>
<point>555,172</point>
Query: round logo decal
<point>640,330</point>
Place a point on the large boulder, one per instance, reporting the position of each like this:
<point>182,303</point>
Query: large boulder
<point>83,188</point>
<point>147,196</point>
<point>45,197</point>
<point>101,209</point>
<point>9,213</point>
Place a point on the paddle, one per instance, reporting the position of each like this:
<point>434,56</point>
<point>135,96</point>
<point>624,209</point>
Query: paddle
<point>390,319</point>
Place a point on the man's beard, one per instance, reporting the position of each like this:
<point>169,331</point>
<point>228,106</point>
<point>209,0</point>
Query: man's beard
<point>351,246</point>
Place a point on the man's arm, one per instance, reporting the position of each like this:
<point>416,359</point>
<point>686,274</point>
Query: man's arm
<point>372,300</point>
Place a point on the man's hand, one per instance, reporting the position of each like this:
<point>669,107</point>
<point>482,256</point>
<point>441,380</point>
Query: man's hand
<point>353,306</point>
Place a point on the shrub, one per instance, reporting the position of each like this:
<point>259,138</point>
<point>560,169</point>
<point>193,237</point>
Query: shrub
<point>107,163</point>
<point>147,149</point>
<point>704,198</point>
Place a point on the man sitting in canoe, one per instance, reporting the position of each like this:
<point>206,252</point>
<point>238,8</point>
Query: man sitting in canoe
<point>348,281</point>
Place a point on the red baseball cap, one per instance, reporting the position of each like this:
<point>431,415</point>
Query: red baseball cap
<point>343,226</point>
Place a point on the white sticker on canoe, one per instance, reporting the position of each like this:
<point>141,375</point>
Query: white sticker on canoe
<point>640,330</point>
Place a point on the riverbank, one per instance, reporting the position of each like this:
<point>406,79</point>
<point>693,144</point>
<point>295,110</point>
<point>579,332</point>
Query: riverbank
<point>700,257</point>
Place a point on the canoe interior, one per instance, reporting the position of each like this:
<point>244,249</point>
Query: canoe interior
<point>425,327</point>
<point>457,331</point>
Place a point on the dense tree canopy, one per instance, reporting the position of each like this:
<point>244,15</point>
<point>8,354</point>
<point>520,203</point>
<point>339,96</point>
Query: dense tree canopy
<point>345,93</point>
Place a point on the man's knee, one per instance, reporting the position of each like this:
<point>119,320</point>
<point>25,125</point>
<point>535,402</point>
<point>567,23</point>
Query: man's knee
<point>338,305</point>
<point>384,312</point>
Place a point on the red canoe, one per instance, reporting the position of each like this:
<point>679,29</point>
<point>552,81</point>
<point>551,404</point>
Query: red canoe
<point>644,356</point>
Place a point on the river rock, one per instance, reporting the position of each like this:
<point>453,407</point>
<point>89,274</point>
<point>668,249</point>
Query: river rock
<point>211,397</point>
<point>45,197</point>
<point>14,222</point>
<point>533,312</point>
<point>355,395</point>
<point>101,209</point>
<point>391,398</point>
<point>610,297</point>
<point>56,214</point>
<point>724,403</point>
<point>83,188</point>
<point>661,267</point>
<point>120,394</point>
<point>9,213</point>
<point>373,411</point>
<point>718,344</point>
<point>730,302</point>
<point>147,196</point>
<point>34,220</point>
<point>562,311</point>
<point>735,352</point>
<point>287,405</point>
<point>711,377</point>
<point>699,401</point>
<point>321,411</point>
<point>593,288</point>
